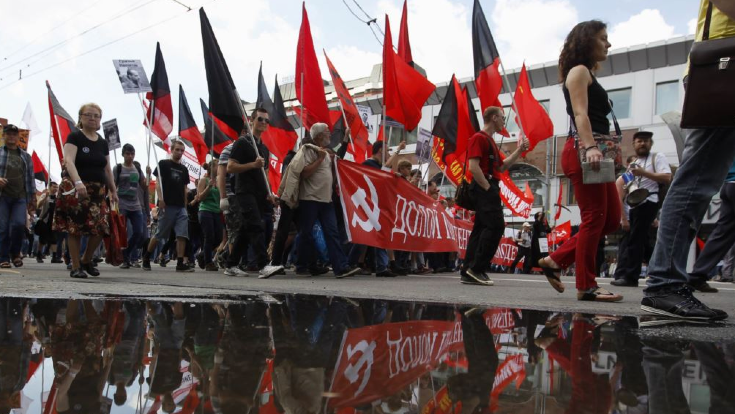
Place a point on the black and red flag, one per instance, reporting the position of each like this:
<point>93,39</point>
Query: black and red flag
<point>224,101</point>
<point>453,124</point>
<point>404,45</point>
<point>214,137</point>
<point>280,137</point>
<point>309,77</point>
<point>405,90</point>
<point>160,101</point>
<point>62,124</point>
<point>39,170</point>
<point>358,131</point>
<point>487,62</point>
<point>188,129</point>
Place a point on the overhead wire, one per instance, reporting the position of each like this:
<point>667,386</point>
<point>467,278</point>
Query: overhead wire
<point>101,46</point>
<point>37,38</point>
<point>47,51</point>
<point>369,22</point>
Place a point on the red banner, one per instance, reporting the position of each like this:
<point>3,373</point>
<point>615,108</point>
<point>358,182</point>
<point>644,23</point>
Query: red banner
<point>506,253</point>
<point>386,211</point>
<point>379,360</point>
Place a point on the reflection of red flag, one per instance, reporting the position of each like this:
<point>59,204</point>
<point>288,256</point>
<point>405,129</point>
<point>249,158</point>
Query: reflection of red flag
<point>404,89</point>
<point>62,124</point>
<point>188,129</point>
<point>536,123</point>
<point>404,45</point>
<point>39,170</point>
<point>487,62</point>
<point>558,202</point>
<point>160,98</point>
<point>313,100</point>
<point>358,132</point>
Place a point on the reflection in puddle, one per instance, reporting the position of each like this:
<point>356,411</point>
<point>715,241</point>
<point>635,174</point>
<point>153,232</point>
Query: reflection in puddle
<point>309,355</point>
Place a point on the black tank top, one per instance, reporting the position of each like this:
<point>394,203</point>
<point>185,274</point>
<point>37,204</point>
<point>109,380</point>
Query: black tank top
<point>598,106</point>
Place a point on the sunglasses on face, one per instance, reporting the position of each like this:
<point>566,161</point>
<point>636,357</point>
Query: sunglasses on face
<point>261,119</point>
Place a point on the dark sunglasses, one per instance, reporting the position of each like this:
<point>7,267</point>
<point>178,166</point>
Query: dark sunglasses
<point>261,119</point>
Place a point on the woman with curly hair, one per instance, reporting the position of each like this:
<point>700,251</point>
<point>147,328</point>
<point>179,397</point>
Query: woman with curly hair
<point>81,209</point>
<point>588,105</point>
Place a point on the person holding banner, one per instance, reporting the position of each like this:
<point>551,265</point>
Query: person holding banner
<point>587,105</point>
<point>81,209</point>
<point>485,163</point>
<point>17,196</point>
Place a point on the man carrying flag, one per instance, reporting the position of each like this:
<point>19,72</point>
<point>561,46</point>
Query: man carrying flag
<point>252,195</point>
<point>486,164</point>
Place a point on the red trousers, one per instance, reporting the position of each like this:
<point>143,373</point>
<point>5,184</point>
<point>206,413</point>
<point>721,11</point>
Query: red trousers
<point>599,206</point>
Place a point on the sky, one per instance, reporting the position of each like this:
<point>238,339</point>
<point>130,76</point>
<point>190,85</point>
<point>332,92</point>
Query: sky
<point>72,44</point>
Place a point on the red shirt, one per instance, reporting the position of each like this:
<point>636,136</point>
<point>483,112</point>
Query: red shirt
<point>482,146</point>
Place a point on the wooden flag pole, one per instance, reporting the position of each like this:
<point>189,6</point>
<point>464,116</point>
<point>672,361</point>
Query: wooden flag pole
<point>149,123</point>
<point>48,179</point>
<point>382,116</point>
<point>255,146</point>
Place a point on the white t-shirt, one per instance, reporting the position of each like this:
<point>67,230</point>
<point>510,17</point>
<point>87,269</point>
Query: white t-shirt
<point>662,166</point>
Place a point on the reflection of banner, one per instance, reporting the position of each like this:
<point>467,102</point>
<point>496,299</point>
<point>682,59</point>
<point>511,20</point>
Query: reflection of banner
<point>442,404</point>
<point>112,134</point>
<point>379,360</point>
<point>512,369</point>
<point>132,76</point>
<point>500,320</point>
<point>382,210</point>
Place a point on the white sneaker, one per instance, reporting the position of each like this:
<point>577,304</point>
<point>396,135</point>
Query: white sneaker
<point>269,271</point>
<point>235,271</point>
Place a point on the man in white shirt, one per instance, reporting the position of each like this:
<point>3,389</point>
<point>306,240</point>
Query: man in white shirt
<point>649,171</point>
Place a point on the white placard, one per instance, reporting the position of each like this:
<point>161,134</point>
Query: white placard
<point>132,76</point>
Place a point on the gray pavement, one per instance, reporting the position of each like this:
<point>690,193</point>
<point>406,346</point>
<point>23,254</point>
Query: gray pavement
<point>523,291</point>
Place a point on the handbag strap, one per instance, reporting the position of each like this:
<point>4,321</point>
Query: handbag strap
<point>618,132</point>
<point>707,22</point>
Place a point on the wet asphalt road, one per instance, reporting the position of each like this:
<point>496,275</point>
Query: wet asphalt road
<point>521,291</point>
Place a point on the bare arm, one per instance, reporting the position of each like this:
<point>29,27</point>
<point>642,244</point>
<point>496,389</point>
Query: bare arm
<point>222,180</point>
<point>70,155</point>
<point>234,167</point>
<point>310,169</point>
<point>392,158</point>
<point>513,158</point>
<point>726,6</point>
<point>477,174</point>
<point>620,185</point>
<point>203,189</point>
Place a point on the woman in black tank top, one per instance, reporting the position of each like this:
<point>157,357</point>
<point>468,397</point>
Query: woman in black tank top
<point>599,205</point>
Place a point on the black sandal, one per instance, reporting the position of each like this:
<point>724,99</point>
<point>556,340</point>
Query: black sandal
<point>18,262</point>
<point>90,269</point>
<point>598,294</point>
<point>552,277</point>
<point>77,274</point>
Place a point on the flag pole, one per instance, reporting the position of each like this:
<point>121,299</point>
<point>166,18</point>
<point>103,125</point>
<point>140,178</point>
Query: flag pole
<point>303,125</point>
<point>50,134</point>
<point>382,116</point>
<point>512,99</point>
<point>149,122</point>
<point>347,125</point>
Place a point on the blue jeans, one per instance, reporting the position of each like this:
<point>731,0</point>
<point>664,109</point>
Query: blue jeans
<point>12,226</point>
<point>136,228</point>
<point>707,157</point>
<point>381,256</point>
<point>309,212</point>
<point>212,231</point>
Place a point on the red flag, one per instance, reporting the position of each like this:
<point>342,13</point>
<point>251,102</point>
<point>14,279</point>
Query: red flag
<point>536,123</point>
<point>39,170</point>
<point>224,101</point>
<point>404,46</point>
<point>160,98</point>
<point>558,202</point>
<point>561,233</point>
<point>313,101</point>
<point>487,62</point>
<point>404,89</point>
<point>528,192</point>
<point>358,132</point>
<point>188,129</point>
<point>280,136</point>
<point>62,124</point>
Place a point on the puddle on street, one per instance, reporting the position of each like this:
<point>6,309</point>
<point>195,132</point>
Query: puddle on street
<point>307,355</point>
